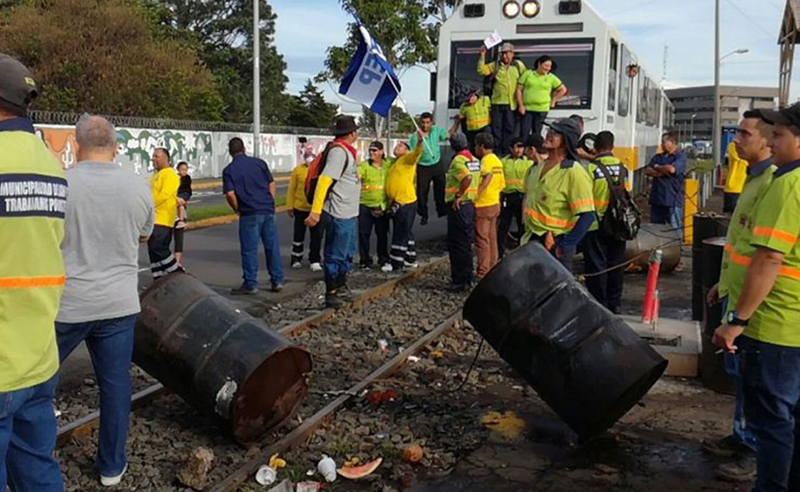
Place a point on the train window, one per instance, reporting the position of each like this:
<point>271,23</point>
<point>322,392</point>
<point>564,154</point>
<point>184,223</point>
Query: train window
<point>612,75</point>
<point>624,84</point>
<point>641,106</point>
<point>574,60</point>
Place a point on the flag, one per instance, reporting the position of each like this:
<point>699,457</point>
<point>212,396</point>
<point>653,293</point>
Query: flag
<point>370,79</point>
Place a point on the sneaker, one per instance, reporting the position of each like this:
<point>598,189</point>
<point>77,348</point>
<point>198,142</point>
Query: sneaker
<point>316,267</point>
<point>115,480</point>
<point>743,470</point>
<point>297,265</point>
<point>276,287</point>
<point>410,265</point>
<point>727,447</point>
<point>332,300</point>
<point>365,266</point>
<point>387,268</point>
<point>244,290</point>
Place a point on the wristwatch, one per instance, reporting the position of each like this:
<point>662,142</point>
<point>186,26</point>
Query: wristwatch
<point>735,320</point>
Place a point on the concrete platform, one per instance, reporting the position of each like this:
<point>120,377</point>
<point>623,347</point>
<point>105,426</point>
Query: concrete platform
<point>677,341</point>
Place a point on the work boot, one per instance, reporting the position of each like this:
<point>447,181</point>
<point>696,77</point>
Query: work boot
<point>727,447</point>
<point>244,290</point>
<point>743,470</point>
<point>342,290</point>
<point>332,300</point>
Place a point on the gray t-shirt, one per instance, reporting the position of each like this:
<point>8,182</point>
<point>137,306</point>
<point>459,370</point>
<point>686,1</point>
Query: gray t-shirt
<point>108,209</point>
<point>343,196</point>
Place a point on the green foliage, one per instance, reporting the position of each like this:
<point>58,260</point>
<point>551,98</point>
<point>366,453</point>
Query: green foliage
<point>401,121</point>
<point>104,56</point>
<point>223,31</point>
<point>310,110</point>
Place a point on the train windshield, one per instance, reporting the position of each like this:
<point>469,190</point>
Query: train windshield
<point>574,60</point>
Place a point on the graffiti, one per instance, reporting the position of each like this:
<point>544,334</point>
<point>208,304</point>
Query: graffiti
<point>206,152</point>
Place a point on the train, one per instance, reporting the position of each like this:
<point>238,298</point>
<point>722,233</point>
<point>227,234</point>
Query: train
<point>608,86</point>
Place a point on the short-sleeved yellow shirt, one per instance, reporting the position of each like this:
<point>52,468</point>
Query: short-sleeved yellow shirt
<point>491,164</point>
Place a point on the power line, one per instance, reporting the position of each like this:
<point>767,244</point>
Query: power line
<point>770,35</point>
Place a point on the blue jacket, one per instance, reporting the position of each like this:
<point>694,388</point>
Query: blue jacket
<point>668,191</point>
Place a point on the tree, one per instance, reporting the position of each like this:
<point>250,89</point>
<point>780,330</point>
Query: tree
<point>104,56</point>
<point>224,31</point>
<point>310,110</point>
<point>401,121</point>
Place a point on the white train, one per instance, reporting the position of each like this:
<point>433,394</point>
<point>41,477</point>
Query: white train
<point>607,87</point>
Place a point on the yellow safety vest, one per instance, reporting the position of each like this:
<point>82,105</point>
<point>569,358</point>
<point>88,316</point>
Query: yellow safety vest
<point>477,115</point>
<point>33,192</point>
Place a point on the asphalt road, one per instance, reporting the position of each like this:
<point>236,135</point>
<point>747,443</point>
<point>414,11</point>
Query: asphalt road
<point>214,196</point>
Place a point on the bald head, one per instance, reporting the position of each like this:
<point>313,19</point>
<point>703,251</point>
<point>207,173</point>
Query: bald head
<point>97,139</point>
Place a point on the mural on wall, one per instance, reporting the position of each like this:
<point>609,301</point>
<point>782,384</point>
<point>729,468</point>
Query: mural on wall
<point>205,151</point>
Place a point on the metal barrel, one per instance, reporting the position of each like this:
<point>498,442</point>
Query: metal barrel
<point>712,364</point>
<point>705,226</point>
<point>218,358</point>
<point>584,362</point>
<point>652,237</point>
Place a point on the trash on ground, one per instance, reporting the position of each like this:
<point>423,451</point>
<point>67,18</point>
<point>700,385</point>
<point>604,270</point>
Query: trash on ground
<point>276,463</point>
<point>309,486</point>
<point>266,475</point>
<point>506,424</point>
<point>413,453</point>
<point>356,472</point>
<point>327,468</point>
<point>194,472</point>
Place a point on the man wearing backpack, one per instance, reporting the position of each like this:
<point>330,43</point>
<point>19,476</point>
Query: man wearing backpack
<point>602,250</point>
<point>336,197</point>
<point>504,76</point>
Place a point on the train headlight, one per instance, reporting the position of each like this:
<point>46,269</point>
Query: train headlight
<point>530,9</point>
<point>511,9</point>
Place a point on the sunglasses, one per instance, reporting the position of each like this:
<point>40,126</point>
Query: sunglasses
<point>374,150</point>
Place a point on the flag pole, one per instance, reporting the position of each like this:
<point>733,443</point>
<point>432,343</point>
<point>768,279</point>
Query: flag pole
<point>413,120</point>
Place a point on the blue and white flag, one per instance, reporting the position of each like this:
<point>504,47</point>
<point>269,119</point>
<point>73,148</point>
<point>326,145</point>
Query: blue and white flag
<point>370,79</point>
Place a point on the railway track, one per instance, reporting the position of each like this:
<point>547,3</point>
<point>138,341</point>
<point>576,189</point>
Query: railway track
<point>422,298</point>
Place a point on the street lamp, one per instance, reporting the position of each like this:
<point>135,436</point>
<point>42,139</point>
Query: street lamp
<point>691,130</point>
<point>256,79</point>
<point>740,51</point>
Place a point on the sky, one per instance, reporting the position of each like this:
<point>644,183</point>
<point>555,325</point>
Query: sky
<point>306,28</point>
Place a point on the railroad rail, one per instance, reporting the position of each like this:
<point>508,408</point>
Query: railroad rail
<point>83,427</point>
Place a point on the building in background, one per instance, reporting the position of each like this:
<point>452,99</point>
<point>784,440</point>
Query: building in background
<point>694,107</point>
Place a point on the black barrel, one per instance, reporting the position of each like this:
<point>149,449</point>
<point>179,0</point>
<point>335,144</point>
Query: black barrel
<point>712,364</point>
<point>218,358</point>
<point>706,225</point>
<point>650,237</point>
<point>586,363</point>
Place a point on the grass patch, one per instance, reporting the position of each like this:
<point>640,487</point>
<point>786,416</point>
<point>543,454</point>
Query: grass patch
<point>222,209</point>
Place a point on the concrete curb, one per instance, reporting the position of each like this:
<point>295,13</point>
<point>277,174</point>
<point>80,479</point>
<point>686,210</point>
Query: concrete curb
<point>217,183</point>
<point>221,220</point>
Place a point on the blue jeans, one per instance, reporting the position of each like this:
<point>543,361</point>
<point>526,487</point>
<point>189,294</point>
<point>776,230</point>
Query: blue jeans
<point>741,432</point>
<point>340,246</point>
<point>251,229</point>
<point>668,215</point>
<point>771,383</point>
<point>110,344</point>
<point>28,438</point>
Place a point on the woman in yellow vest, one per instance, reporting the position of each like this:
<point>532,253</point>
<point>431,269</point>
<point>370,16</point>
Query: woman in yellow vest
<point>559,204</point>
<point>475,115</point>
<point>298,208</point>
<point>372,206</point>
<point>734,183</point>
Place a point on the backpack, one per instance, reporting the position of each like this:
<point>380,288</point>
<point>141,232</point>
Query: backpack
<point>315,169</point>
<point>489,80</point>
<point>622,218</point>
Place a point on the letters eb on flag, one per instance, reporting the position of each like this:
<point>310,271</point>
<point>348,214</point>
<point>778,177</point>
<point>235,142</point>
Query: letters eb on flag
<point>370,79</point>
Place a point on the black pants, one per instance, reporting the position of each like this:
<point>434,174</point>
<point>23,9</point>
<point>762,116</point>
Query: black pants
<point>512,210</point>
<point>403,247</point>
<point>532,124</point>
<point>601,252</point>
<point>460,237</point>
<point>426,175</point>
<point>162,261</point>
<point>299,239</point>
<point>471,134</point>
<point>178,236</point>
<point>729,201</point>
<point>366,222</point>
<point>504,126</point>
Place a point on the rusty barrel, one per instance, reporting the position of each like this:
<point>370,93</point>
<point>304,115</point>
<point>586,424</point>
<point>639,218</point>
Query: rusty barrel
<point>650,237</point>
<point>706,226</point>
<point>218,358</point>
<point>712,364</point>
<point>584,362</point>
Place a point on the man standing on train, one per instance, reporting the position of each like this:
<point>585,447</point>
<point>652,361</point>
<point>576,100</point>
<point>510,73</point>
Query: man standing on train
<point>668,170</point>
<point>504,76</point>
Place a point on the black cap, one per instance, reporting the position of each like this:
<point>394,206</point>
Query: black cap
<point>344,125</point>
<point>17,86</point>
<point>377,144</point>
<point>571,131</point>
<point>787,116</point>
<point>536,141</point>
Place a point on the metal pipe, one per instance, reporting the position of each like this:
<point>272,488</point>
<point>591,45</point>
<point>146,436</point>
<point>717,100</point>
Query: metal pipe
<point>256,78</point>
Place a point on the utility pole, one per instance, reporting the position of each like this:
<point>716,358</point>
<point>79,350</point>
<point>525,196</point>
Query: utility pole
<point>664,68</point>
<point>717,130</point>
<point>256,79</point>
